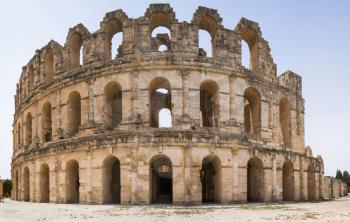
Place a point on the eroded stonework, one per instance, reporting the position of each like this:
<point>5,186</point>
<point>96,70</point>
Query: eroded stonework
<point>87,128</point>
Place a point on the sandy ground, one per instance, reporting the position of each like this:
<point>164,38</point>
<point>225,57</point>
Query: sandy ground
<point>337,210</point>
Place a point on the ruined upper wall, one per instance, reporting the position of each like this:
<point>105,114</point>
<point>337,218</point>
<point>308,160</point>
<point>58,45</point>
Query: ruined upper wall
<point>54,62</point>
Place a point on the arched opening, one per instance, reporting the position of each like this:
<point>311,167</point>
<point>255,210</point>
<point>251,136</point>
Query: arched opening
<point>245,54</point>
<point>74,113</point>
<point>26,185</point>
<point>211,179</point>
<point>311,182</point>
<point>252,110</point>
<point>29,129</point>
<point>44,183</point>
<point>30,79</point>
<point>165,118</point>
<point>111,181</point>
<point>209,103</point>
<point>19,135</point>
<point>161,38</point>
<point>46,123</point>
<point>113,39</point>
<point>76,50</point>
<point>112,109</point>
<point>160,98</point>
<point>205,43</point>
<point>288,180</point>
<point>161,175</point>
<point>250,38</point>
<point>72,182</point>
<point>285,121</point>
<point>48,66</point>
<point>255,180</point>
<point>16,186</point>
<point>207,29</point>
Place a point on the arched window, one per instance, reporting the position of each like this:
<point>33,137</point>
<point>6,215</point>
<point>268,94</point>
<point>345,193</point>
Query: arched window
<point>48,66</point>
<point>161,39</point>
<point>245,54</point>
<point>29,129</point>
<point>207,28</point>
<point>165,118</point>
<point>250,37</point>
<point>205,43</point>
<point>46,122</point>
<point>209,103</point>
<point>76,50</point>
<point>113,102</point>
<point>160,98</point>
<point>30,79</point>
<point>113,39</point>
<point>285,121</point>
<point>252,111</point>
<point>74,113</point>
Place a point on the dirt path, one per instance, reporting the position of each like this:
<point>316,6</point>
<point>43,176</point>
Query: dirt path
<point>337,210</point>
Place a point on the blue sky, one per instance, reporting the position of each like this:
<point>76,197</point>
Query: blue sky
<point>310,38</point>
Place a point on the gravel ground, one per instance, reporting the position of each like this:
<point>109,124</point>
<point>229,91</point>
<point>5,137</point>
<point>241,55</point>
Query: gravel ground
<point>336,210</point>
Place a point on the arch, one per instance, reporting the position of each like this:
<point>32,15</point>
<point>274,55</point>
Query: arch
<point>111,188</point>
<point>255,180</point>
<point>161,39</point>
<point>252,111</point>
<point>288,180</point>
<point>208,20</point>
<point>44,183</point>
<point>209,103</point>
<point>74,113</point>
<point>48,66</point>
<point>311,185</point>
<point>113,102</point>
<point>75,46</point>
<point>160,15</point>
<point>205,43</point>
<point>161,179</point>
<point>30,78</point>
<point>29,129</point>
<point>113,28</point>
<point>16,186</point>
<point>211,179</point>
<point>19,138</point>
<point>160,97</point>
<point>250,34</point>
<point>72,182</point>
<point>26,185</point>
<point>285,121</point>
<point>46,122</point>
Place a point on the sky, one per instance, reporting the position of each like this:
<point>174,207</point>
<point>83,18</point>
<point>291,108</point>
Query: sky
<point>310,38</point>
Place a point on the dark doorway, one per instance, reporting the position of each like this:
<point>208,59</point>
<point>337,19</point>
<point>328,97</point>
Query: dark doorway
<point>111,180</point>
<point>162,180</point>
<point>210,179</point>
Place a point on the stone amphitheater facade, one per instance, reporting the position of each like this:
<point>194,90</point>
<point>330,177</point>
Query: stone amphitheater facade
<point>87,129</point>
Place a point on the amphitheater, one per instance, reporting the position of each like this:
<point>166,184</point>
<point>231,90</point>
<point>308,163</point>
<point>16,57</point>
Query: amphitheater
<point>87,126</point>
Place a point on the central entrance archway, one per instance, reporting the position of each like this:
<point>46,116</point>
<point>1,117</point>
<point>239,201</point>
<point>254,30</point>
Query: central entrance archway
<point>161,186</point>
<point>72,182</point>
<point>255,180</point>
<point>211,179</point>
<point>111,180</point>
